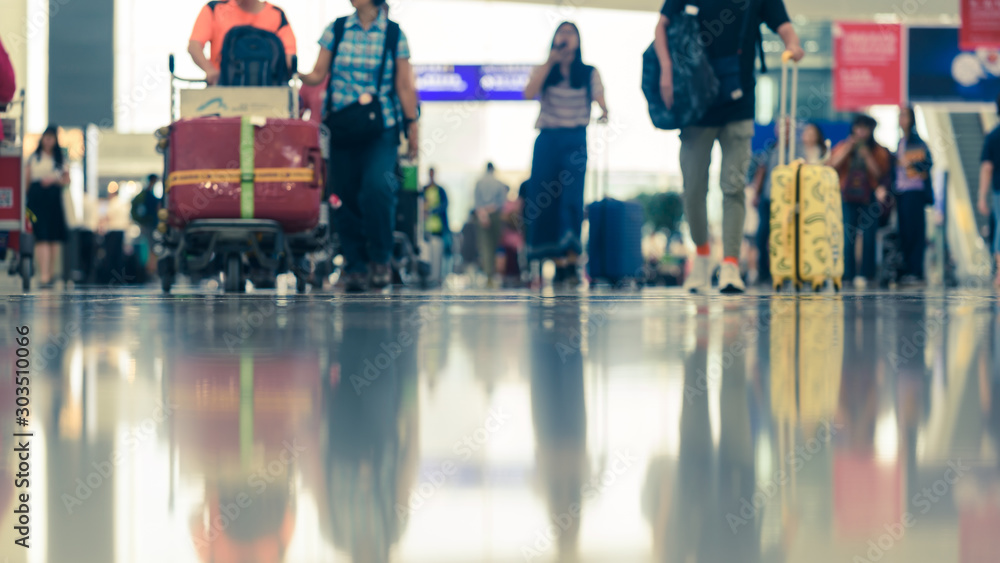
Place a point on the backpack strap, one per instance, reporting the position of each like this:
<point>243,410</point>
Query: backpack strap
<point>338,35</point>
<point>392,35</point>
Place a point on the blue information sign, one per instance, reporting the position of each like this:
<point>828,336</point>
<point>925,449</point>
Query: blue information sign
<point>472,83</point>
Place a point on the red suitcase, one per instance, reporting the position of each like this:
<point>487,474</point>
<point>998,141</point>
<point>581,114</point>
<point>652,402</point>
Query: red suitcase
<point>210,161</point>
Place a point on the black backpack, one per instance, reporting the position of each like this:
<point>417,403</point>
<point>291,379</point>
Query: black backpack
<point>253,57</point>
<point>695,83</point>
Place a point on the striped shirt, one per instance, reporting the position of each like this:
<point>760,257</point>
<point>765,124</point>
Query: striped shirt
<point>566,107</point>
<point>358,59</point>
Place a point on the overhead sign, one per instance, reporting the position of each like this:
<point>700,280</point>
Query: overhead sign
<point>867,65</point>
<point>472,83</point>
<point>940,71</point>
<point>980,24</point>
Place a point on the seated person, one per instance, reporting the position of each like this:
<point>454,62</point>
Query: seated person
<point>217,18</point>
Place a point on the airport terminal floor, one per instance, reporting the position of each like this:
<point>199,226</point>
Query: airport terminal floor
<point>514,426</point>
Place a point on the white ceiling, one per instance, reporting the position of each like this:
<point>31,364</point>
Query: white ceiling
<point>909,10</point>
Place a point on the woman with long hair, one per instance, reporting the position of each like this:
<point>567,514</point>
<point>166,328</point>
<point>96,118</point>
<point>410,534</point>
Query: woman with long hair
<point>814,149</point>
<point>913,194</point>
<point>48,173</point>
<point>567,89</point>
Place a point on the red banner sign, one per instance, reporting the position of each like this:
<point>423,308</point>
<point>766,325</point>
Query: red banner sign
<point>980,25</point>
<point>867,65</point>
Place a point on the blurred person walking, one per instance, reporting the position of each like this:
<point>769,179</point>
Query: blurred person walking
<point>490,199</point>
<point>367,57</point>
<point>567,89</point>
<point>863,166</point>
<point>219,17</point>
<point>989,181</point>
<point>914,192</point>
<point>729,121</point>
<point>436,219</point>
<point>112,228</point>
<point>145,212</point>
<point>48,174</point>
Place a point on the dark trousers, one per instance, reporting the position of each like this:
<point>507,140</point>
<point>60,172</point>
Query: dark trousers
<point>553,209</point>
<point>913,231</point>
<point>764,240</point>
<point>365,181</point>
<point>860,220</point>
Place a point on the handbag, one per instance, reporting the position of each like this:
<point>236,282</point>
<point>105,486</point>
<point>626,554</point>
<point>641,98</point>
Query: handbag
<point>362,122</point>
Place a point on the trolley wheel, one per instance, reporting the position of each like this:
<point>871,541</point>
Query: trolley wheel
<point>234,274</point>
<point>26,273</point>
<point>838,285</point>
<point>300,284</point>
<point>817,287</point>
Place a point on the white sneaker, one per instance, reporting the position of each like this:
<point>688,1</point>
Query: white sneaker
<point>730,280</point>
<point>700,279</point>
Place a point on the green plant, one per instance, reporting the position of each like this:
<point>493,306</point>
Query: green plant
<point>664,211</point>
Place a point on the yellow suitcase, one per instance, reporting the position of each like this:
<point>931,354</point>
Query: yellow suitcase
<point>807,217</point>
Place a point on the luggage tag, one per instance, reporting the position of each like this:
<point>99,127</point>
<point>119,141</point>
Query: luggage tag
<point>737,94</point>
<point>691,10</point>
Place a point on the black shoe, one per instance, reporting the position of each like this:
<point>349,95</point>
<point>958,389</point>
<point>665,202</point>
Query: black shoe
<point>355,282</point>
<point>381,276</point>
<point>572,279</point>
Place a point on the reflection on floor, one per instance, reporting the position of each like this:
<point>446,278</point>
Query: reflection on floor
<point>502,428</point>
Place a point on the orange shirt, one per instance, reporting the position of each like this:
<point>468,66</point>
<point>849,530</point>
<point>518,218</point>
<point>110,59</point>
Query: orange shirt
<point>218,17</point>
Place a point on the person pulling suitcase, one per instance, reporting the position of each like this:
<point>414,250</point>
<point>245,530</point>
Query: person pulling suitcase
<point>729,121</point>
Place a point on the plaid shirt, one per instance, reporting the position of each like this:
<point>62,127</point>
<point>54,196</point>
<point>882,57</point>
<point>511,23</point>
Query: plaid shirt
<point>358,59</point>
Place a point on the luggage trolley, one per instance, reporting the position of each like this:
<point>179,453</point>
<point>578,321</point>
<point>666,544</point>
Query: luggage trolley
<point>16,236</point>
<point>247,201</point>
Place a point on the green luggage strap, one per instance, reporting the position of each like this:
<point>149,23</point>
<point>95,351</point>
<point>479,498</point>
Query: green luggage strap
<point>246,168</point>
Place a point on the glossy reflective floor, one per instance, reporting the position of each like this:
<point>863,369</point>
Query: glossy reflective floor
<point>510,427</point>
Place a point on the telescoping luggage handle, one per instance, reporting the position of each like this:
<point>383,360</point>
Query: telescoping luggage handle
<point>785,119</point>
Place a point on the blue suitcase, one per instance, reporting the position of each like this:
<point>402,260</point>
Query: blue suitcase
<point>614,248</point>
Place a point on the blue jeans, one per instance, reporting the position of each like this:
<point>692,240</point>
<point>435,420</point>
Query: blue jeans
<point>860,220</point>
<point>365,180</point>
<point>553,209</point>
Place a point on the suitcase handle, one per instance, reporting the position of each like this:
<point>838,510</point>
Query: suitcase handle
<point>315,160</point>
<point>786,119</point>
